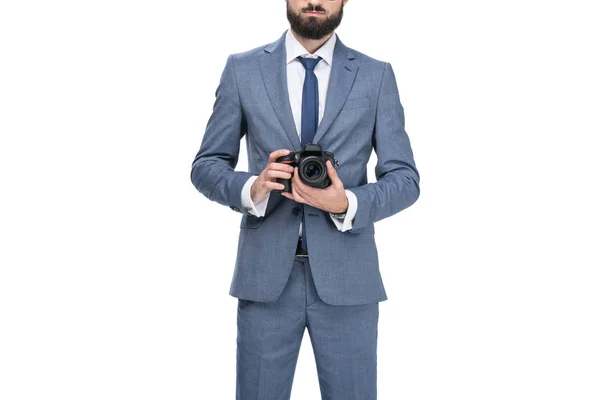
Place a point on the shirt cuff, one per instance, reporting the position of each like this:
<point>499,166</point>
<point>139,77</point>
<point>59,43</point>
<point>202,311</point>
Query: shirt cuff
<point>258,209</point>
<point>345,224</point>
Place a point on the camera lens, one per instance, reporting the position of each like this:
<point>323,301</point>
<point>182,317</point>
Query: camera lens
<point>312,170</point>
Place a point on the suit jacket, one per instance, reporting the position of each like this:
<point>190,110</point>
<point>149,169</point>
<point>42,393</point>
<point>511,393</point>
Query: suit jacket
<point>363,112</point>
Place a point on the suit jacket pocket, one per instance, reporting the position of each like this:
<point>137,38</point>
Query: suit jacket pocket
<point>367,229</point>
<point>250,221</point>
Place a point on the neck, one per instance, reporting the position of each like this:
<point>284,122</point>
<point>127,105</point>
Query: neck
<point>309,44</point>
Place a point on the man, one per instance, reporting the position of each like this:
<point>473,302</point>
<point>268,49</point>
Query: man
<point>307,259</point>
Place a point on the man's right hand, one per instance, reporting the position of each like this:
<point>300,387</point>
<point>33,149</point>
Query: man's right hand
<point>266,181</point>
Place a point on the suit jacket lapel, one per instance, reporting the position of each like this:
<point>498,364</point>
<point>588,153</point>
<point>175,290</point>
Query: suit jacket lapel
<point>343,74</point>
<point>274,74</point>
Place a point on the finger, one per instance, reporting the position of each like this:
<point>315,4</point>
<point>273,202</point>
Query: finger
<point>280,167</point>
<point>288,195</point>
<point>305,191</point>
<point>278,153</point>
<point>335,179</point>
<point>273,185</point>
<point>296,181</point>
<point>272,174</point>
<point>297,196</point>
<point>330,170</point>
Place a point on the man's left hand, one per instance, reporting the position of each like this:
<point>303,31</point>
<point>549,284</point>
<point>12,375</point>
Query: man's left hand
<point>332,199</point>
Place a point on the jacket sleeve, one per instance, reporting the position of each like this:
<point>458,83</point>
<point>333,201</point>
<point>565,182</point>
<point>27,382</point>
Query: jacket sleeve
<point>397,185</point>
<point>213,167</point>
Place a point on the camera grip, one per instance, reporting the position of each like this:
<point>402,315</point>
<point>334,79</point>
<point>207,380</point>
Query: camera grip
<point>287,185</point>
<point>289,159</point>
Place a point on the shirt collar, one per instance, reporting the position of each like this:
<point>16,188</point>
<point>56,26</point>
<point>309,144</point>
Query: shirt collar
<point>294,49</point>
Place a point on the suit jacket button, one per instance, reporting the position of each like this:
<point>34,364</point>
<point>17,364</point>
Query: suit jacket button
<point>296,210</point>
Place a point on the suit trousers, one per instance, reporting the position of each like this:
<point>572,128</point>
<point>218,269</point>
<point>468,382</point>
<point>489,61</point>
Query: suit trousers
<point>269,334</point>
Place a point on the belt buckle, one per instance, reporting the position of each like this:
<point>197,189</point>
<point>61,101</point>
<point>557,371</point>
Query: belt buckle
<point>300,252</point>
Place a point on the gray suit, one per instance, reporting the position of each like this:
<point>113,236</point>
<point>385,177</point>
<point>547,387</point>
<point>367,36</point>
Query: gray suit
<point>362,112</point>
<point>336,291</point>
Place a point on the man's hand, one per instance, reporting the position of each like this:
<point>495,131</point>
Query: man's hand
<point>266,181</point>
<point>332,199</point>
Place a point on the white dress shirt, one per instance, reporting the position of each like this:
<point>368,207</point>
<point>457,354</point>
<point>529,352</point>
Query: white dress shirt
<point>295,81</point>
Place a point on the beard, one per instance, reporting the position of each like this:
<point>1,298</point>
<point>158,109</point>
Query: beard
<point>314,28</point>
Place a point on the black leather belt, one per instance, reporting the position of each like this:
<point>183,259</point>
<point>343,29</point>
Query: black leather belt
<point>300,252</point>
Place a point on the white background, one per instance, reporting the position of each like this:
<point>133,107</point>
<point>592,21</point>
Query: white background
<point>115,271</point>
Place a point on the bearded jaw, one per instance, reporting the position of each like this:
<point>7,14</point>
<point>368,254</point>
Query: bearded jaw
<point>313,27</point>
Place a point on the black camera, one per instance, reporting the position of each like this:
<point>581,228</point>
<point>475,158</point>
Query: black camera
<point>311,166</point>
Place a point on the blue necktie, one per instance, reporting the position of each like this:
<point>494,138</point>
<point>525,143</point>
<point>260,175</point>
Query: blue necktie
<point>310,114</point>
